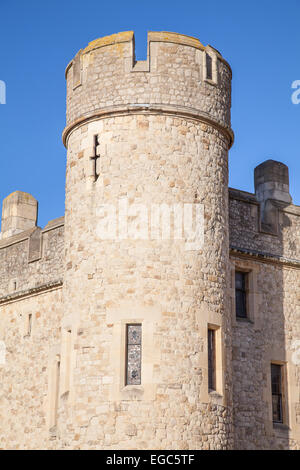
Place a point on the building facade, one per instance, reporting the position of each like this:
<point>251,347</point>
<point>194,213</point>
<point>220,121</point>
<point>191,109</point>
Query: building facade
<point>122,326</point>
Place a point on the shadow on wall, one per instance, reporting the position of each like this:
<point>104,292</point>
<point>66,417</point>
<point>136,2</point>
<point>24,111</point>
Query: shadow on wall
<point>260,360</point>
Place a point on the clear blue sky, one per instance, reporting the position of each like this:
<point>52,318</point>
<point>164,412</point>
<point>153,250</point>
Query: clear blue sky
<point>260,39</point>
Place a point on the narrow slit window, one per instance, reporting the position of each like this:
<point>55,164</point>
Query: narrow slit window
<point>29,324</point>
<point>94,159</point>
<point>133,354</point>
<point>276,381</point>
<point>209,71</point>
<point>241,294</point>
<point>211,340</point>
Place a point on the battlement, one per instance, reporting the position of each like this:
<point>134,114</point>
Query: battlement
<point>153,36</point>
<point>180,76</point>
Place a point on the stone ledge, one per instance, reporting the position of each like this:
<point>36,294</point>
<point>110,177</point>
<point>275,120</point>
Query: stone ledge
<point>132,393</point>
<point>261,256</point>
<point>281,427</point>
<point>32,291</point>
<point>148,108</point>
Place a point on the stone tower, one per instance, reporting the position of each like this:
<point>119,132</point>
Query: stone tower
<point>146,138</point>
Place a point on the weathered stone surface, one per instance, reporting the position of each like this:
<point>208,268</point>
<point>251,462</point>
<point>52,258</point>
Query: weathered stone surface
<point>19,213</point>
<point>162,132</point>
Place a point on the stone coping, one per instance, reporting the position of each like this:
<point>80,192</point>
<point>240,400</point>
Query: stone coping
<point>264,257</point>
<point>31,291</point>
<point>54,223</point>
<point>19,237</point>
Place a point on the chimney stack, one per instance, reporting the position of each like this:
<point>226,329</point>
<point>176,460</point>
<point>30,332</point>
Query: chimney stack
<point>271,180</point>
<point>19,213</point>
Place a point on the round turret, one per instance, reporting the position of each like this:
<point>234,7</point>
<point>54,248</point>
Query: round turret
<point>146,243</point>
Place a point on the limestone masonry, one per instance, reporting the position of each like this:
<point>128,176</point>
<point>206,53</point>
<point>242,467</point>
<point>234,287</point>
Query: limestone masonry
<point>141,343</point>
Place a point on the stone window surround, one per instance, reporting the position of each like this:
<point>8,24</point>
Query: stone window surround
<point>28,325</point>
<point>13,285</point>
<point>118,318</point>
<point>218,359</point>
<point>290,398</point>
<point>66,358</point>
<point>208,319</point>
<point>283,393</point>
<point>61,387</point>
<point>271,426</point>
<point>69,332</point>
<point>53,388</point>
<point>212,54</point>
<point>252,270</point>
<point>128,362</point>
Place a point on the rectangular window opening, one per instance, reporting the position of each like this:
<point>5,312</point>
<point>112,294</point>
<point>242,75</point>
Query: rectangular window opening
<point>133,354</point>
<point>241,279</point>
<point>209,73</point>
<point>29,324</point>
<point>211,339</point>
<point>277,402</point>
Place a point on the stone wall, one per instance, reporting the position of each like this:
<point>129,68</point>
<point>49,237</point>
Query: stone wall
<point>272,333</point>
<point>32,259</point>
<point>246,231</point>
<point>154,131</point>
<point>156,283</point>
<point>24,378</point>
<point>31,273</point>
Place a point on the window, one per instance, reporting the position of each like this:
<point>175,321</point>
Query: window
<point>209,73</point>
<point>210,66</point>
<point>29,324</point>
<point>276,382</point>
<point>133,354</point>
<point>211,346</point>
<point>13,285</point>
<point>241,294</point>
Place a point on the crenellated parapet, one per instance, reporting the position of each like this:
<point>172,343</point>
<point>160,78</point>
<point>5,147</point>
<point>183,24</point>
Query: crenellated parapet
<point>31,258</point>
<point>180,77</point>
